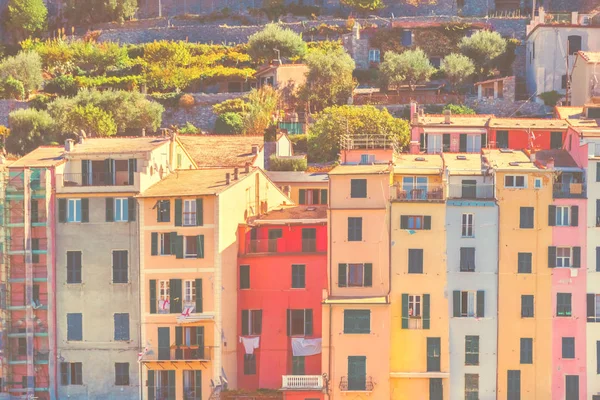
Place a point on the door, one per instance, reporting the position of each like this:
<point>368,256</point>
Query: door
<point>164,344</point>
<point>556,140</point>
<point>357,373</point>
<point>436,390</point>
<point>422,187</point>
<point>469,189</point>
<point>274,235</point>
<point>408,184</point>
<point>433,354</point>
<point>572,387</point>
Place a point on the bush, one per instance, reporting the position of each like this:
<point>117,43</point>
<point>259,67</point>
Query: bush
<point>12,89</point>
<point>29,129</point>
<point>237,105</point>
<point>229,124</point>
<point>287,164</point>
<point>25,67</point>
<point>94,121</point>
<point>459,109</point>
<point>189,129</point>
<point>63,85</point>
<point>550,98</point>
<point>186,101</point>
<point>273,36</point>
<point>40,102</point>
<point>170,100</point>
<point>300,143</point>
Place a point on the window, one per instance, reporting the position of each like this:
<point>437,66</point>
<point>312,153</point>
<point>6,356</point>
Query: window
<point>568,347</point>
<point>572,387</point>
<point>474,141</point>
<point>358,188</point>
<point>436,389</point>
<point>527,310</point>
<point>357,373</point>
<point>537,183</point>
<point>164,296</point>
<point>415,261</point>
<point>121,210</point>
<point>564,257</point>
<point>526,351</point>
<point>502,140</point>
<point>416,222</point>
<point>189,293</point>
<point>374,55</point>
<point>312,196</point>
<point>593,307</point>
<point>191,246</point>
<point>514,385</point>
<point>299,322</point>
<point>167,241</point>
<point>74,210</point>
<point>526,220</point>
<point>467,259</point>
<point>354,229</point>
<point>355,275</point>
<point>73,267</point>
<point>406,38</point>
<point>189,212</point>
<point>121,374</point>
<point>574,43</point>
<point>122,327</point>
<point>514,181</point>
<point>561,216</point>
<point>357,321</point>
<point>435,62</point>
<point>309,240</point>
<point>414,306</point>
<point>22,343</point>
<point>120,266</point>
<point>192,385</point>
<point>468,303</point>
<point>70,373</point>
<point>467,225</point>
<point>244,277</point>
<point>74,327</point>
<point>249,364</point>
<point>298,365</point>
<point>298,277</point>
<point>251,322</point>
<point>563,304</point>
<point>471,350</point>
<point>524,263</point>
<point>471,386</point>
<point>35,246</point>
<point>367,159</point>
<point>433,354</point>
<point>163,211</point>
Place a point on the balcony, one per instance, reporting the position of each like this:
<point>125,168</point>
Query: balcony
<point>415,323</point>
<point>302,382</point>
<point>356,384</point>
<point>178,353</point>
<point>418,193</point>
<point>479,191</point>
<point>118,178</point>
<point>281,246</point>
<point>569,191</point>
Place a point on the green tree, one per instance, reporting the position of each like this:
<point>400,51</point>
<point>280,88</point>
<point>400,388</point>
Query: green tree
<point>262,45</point>
<point>459,109</point>
<point>483,48</point>
<point>25,67</point>
<point>229,123</point>
<point>411,67</point>
<point>261,108</point>
<point>364,5</point>
<point>329,80</point>
<point>29,129</point>
<point>94,121</point>
<point>11,88</point>
<point>90,11</point>
<point>457,68</point>
<point>25,18</point>
<point>334,122</point>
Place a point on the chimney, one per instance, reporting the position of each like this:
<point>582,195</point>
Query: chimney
<point>532,157</point>
<point>255,149</point>
<point>235,174</point>
<point>276,62</point>
<point>414,117</point>
<point>227,178</point>
<point>287,190</point>
<point>550,163</point>
<point>447,115</point>
<point>69,145</point>
<point>247,168</point>
<point>143,132</point>
<point>81,137</point>
<point>415,147</point>
<point>575,18</point>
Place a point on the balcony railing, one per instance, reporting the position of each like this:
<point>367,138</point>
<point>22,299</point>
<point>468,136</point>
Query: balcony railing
<point>428,192</point>
<point>415,323</point>
<point>569,190</point>
<point>482,191</point>
<point>118,178</point>
<point>179,353</point>
<point>356,384</point>
<point>163,392</point>
<point>302,382</point>
<point>280,245</point>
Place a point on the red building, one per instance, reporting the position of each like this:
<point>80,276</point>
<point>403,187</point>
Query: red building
<point>282,272</point>
<point>520,133</point>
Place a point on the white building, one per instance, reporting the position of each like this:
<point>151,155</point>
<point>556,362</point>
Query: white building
<point>585,78</point>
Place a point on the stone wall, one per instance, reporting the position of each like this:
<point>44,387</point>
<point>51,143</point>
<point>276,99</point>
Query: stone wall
<point>507,108</point>
<point>7,106</point>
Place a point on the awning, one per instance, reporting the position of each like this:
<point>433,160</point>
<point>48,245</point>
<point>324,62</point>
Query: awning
<point>453,129</point>
<point>357,300</point>
<point>192,319</point>
<point>417,171</point>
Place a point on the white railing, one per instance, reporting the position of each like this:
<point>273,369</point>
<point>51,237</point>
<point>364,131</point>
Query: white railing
<point>302,382</point>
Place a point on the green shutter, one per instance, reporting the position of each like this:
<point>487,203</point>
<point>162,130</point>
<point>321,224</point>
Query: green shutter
<point>85,210</point>
<point>405,311</point>
<point>462,146</point>
<point>576,257</point>
<point>178,335</point>
<point>551,215</point>
<point>342,275</point>
<point>456,303</point>
<point>446,142</point>
<point>199,296</point>
<point>108,170</point>
<point>199,212</point>
<point>426,317</point>
<point>85,172</point>
<point>131,209</point>
<point>179,247</point>
<point>150,384</point>
<point>480,304</point>
<point>422,143</point>
<point>245,318</point>
<point>289,322</point>
<point>427,222</point>
<point>302,196</point>
<point>152,296</point>
<point>62,210</point>
<point>551,256</point>
<point>110,212</point>
<point>404,222</point>
<point>308,322</point>
<point>178,212</point>
<point>368,275</point>
<point>175,294</point>
<point>154,246</point>
<point>323,196</point>
<point>132,167</point>
<point>484,140</point>
<point>172,384</point>
<point>200,246</point>
<point>574,215</point>
<point>172,243</point>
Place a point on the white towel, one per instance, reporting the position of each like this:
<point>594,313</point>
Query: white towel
<point>250,344</point>
<point>306,347</point>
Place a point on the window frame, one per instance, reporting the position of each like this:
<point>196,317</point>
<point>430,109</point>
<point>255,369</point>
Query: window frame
<point>469,255</point>
<point>250,364</point>
<point>164,211</point>
<point>71,373</point>
<point>568,347</point>
<point>374,55</point>
<point>360,266</point>
<point>163,293</point>
<point>419,268</point>
<point>121,379</point>
<point>120,209</point>
<point>523,308</point>
<point>75,216</point>
<point>472,390</point>
<point>415,302</point>
<point>299,276</point>
<point>355,225</point>
<point>162,247</point>
<point>71,337</point>
<point>468,227</point>
<point>189,293</point>
<point>189,212</point>
<point>568,259</point>
<point>526,223</point>
<point>567,307</point>
<point>562,213</point>
<point>514,184</point>
<point>120,272</point>
<point>291,321</point>
<point>524,263</point>
<point>193,239</point>
<point>75,271</point>
<point>471,350</point>
<point>254,329</point>
<point>525,351</point>
<point>119,334</point>
<point>469,293</point>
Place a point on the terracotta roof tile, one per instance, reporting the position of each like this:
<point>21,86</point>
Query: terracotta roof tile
<point>119,145</point>
<point>43,156</point>
<point>218,151</point>
<point>193,182</point>
<point>528,123</point>
<point>561,157</point>
<point>479,120</point>
<point>294,213</point>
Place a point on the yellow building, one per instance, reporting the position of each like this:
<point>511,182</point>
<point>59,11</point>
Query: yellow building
<point>523,192</point>
<point>419,356</point>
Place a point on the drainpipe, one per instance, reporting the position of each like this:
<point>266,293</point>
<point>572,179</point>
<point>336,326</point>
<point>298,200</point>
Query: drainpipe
<point>328,392</point>
<point>53,280</point>
<point>497,286</point>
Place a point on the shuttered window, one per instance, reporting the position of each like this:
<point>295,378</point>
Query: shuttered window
<point>415,261</point>
<point>568,347</point>
<point>471,350</point>
<point>467,259</point>
<point>514,385</point>
<point>120,266</point>
<point>563,304</point>
<point>524,263</point>
<point>526,355</point>
<point>354,229</point>
<point>358,188</point>
<point>298,276</point>
<point>122,326</point>
<point>73,266</point>
<point>357,321</point>
<point>74,327</point>
<point>526,218</point>
<point>244,277</point>
<point>527,310</point>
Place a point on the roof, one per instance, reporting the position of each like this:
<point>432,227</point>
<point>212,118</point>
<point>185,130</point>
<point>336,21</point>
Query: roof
<point>360,169</point>
<point>297,177</point>
<point>561,157</point>
<point>463,164</point>
<point>193,182</point>
<point>269,68</point>
<point>575,117</point>
<point>528,123</point>
<point>425,164</point>
<point>509,160</point>
<point>591,57</point>
<point>112,145</point>
<point>43,156</point>
<point>561,25</point>
<point>480,120</point>
<point>495,80</point>
<point>356,300</point>
<point>286,213</point>
<point>217,151</point>
<point>433,24</point>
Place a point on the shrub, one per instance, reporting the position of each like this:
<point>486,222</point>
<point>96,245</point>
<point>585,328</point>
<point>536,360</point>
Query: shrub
<point>273,36</point>
<point>287,164</point>
<point>29,129</point>
<point>300,143</point>
<point>92,120</point>
<point>237,105</point>
<point>459,109</point>
<point>550,98</point>
<point>63,85</point>
<point>25,67</point>
<point>189,129</point>
<point>40,102</point>
<point>229,124</point>
<point>13,89</point>
<point>186,101</point>
<point>167,99</point>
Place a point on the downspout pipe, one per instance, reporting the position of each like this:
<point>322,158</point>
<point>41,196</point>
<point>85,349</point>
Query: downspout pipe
<point>328,393</point>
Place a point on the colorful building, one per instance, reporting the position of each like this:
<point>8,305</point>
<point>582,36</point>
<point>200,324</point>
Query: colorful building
<point>282,272</point>
<point>527,133</point>
<point>304,188</point>
<point>189,327</point>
